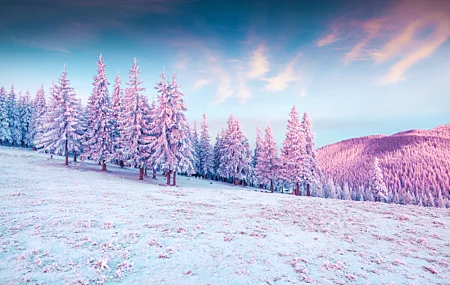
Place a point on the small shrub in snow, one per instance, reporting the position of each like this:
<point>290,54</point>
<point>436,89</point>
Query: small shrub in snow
<point>430,269</point>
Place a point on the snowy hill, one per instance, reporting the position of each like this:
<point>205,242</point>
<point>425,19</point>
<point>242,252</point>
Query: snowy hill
<point>77,225</point>
<point>414,160</point>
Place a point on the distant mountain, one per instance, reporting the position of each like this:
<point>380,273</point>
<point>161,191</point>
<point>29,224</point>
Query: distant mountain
<point>414,161</point>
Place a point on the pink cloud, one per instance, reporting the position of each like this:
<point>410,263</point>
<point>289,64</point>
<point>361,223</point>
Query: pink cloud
<point>328,39</point>
<point>259,64</point>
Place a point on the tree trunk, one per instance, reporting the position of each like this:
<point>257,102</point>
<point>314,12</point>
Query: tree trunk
<point>121,164</point>
<point>206,176</point>
<point>271,185</point>
<point>74,156</point>
<point>168,176</point>
<point>308,190</point>
<point>145,172</point>
<point>260,185</point>
<point>297,189</point>
<point>236,181</point>
<point>103,165</point>
<point>154,174</point>
<point>141,173</point>
<point>245,183</point>
<point>1,142</point>
<point>174,178</point>
<point>67,153</point>
<point>99,163</point>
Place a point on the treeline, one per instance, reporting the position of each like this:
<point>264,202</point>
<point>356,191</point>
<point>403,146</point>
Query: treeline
<point>124,128</point>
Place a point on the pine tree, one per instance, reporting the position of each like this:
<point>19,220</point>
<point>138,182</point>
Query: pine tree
<point>13,118</point>
<point>376,182</point>
<point>38,118</point>
<point>293,153</point>
<point>172,149</point>
<point>217,156</point>
<point>4,118</point>
<point>313,175</point>
<point>256,157</point>
<point>205,150</point>
<point>25,115</point>
<point>196,146</point>
<point>117,110</point>
<point>236,158</point>
<point>268,164</point>
<point>100,128</point>
<point>61,135</point>
<point>135,132</point>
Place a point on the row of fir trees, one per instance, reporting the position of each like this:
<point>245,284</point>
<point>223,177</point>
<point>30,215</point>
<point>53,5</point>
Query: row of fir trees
<point>125,129</point>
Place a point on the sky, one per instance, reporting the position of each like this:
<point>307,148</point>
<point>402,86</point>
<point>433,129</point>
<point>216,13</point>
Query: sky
<point>358,67</point>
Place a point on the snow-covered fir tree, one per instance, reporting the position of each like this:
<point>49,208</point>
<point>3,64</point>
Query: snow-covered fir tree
<point>37,120</point>
<point>256,156</point>
<point>313,174</point>
<point>376,182</point>
<point>13,118</point>
<point>293,153</point>
<point>61,135</point>
<point>100,129</point>
<point>217,156</point>
<point>25,109</point>
<point>117,109</point>
<point>135,132</point>
<point>4,118</point>
<point>205,150</point>
<point>172,148</point>
<point>196,146</point>
<point>236,161</point>
<point>267,165</point>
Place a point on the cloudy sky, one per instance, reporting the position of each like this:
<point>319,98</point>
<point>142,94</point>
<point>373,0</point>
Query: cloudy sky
<point>358,67</point>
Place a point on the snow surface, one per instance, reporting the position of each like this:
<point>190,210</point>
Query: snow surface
<point>77,225</point>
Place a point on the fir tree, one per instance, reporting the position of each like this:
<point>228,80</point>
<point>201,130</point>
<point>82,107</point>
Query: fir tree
<point>100,128</point>
<point>4,118</point>
<point>25,110</point>
<point>13,118</point>
<point>268,164</point>
<point>38,118</point>
<point>376,182</point>
<point>205,150</point>
<point>257,157</point>
<point>135,132</point>
<point>293,153</point>
<point>236,158</point>
<point>117,110</point>
<point>313,174</point>
<point>62,120</point>
<point>196,147</point>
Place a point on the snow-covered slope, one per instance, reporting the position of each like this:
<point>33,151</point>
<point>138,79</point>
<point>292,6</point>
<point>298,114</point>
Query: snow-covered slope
<point>77,225</point>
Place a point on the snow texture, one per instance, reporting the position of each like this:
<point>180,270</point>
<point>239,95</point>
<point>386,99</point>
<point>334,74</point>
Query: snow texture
<point>78,225</point>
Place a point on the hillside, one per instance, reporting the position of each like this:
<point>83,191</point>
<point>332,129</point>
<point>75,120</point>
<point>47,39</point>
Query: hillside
<point>78,225</point>
<point>415,160</point>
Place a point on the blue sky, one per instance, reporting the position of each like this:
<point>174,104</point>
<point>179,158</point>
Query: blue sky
<point>358,67</point>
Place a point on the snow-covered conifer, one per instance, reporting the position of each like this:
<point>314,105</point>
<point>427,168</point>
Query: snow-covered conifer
<point>117,109</point>
<point>135,133</point>
<point>376,182</point>
<point>13,118</point>
<point>205,150</point>
<point>4,118</point>
<point>38,118</point>
<point>25,115</point>
<point>313,175</point>
<point>293,153</point>
<point>196,146</point>
<point>99,136</point>
<point>61,135</point>
<point>267,165</point>
<point>237,158</point>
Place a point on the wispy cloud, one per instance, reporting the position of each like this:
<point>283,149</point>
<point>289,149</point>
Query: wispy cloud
<point>397,72</point>
<point>408,32</point>
<point>259,64</point>
<point>328,39</point>
<point>283,80</point>
<point>201,82</point>
<point>224,90</point>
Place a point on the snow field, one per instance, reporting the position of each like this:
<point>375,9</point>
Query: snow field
<point>77,225</point>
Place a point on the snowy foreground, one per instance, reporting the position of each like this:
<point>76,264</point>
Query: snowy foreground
<point>77,225</point>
